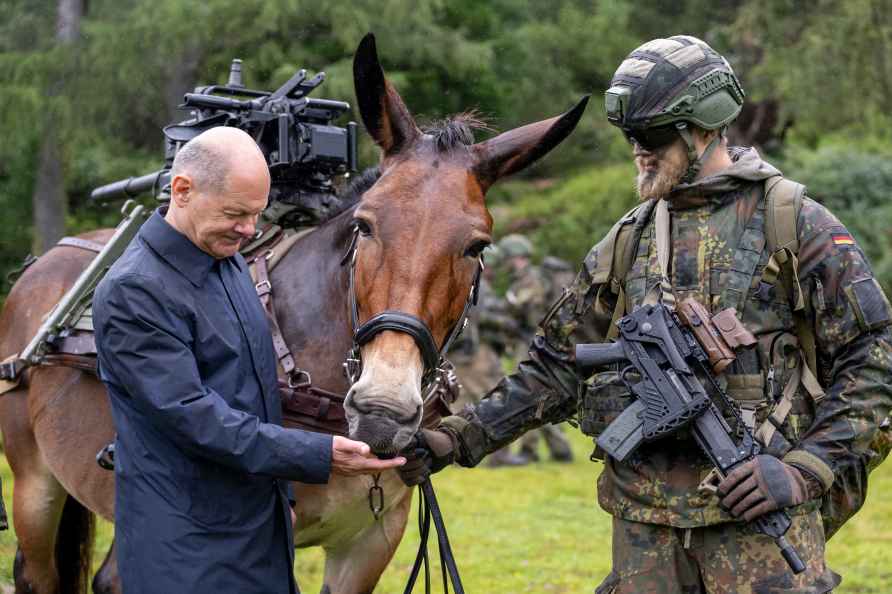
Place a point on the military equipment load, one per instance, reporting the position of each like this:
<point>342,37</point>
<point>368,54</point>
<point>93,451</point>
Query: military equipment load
<point>295,133</point>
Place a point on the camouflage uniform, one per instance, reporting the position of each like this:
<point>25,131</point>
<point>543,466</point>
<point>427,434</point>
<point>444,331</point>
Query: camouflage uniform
<point>654,498</point>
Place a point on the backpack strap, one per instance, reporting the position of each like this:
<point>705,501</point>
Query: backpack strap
<point>621,246</point>
<point>783,200</point>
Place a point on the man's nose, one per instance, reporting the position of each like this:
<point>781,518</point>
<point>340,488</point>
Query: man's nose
<point>245,229</point>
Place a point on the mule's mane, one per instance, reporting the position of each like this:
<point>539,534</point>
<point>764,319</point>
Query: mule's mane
<point>358,186</point>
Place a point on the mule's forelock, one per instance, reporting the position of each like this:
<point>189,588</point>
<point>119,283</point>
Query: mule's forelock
<point>358,186</point>
<point>456,131</point>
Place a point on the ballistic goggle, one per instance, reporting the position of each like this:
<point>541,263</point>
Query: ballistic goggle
<point>616,103</point>
<point>651,139</point>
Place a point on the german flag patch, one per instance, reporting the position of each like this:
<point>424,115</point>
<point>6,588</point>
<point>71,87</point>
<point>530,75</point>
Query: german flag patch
<point>843,239</point>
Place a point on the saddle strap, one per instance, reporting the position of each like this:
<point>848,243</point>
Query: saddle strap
<point>265,292</point>
<point>84,244</point>
<point>81,362</point>
<point>313,409</point>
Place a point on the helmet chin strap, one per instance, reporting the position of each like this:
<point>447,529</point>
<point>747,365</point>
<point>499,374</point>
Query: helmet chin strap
<point>695,161</point>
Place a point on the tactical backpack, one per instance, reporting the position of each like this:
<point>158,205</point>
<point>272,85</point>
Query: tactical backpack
<point>783,202</point>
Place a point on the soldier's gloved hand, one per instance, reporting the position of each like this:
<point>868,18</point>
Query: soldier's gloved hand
<point>762,485</point>
<point>431,452</point>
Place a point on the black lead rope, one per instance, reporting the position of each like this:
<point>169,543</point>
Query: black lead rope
<point>429,508</point>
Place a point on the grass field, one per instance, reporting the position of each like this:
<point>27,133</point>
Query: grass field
<point>538,529</point>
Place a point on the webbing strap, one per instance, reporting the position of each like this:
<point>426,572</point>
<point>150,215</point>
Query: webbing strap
<point>784,199</point>
<point>801,375</point>
<point>781,409</point>
<point>265,292</point>
<point>623,243</point>
<point>785,196</point>
<point>745,261</point>
<point>663,225</point>
<point>618,312</point>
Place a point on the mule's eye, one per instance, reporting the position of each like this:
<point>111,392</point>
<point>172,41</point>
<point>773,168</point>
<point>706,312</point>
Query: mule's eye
<point>362,226</point>
<point>476,249</point>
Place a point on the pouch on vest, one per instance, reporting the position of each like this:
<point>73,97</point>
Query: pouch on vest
<point>603,398</point>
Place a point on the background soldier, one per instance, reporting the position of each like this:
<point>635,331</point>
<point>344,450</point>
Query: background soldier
<point>810,300</point>
<point>477,352</point>
<point>528,296</point>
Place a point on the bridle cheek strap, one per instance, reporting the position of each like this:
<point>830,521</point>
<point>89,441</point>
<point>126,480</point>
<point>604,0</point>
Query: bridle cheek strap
<point>407,324</point>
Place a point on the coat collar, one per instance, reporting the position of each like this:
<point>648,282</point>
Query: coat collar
<point>177,249</point>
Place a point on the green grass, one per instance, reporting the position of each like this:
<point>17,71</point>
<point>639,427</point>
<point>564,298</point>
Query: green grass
<point>539,529</point>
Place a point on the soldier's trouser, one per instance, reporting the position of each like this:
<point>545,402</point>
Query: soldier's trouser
<point>555,439</point>
<point>723,559</point>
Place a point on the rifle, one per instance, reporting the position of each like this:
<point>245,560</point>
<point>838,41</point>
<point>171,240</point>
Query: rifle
<point>58,322</point>
<point>668,351</point>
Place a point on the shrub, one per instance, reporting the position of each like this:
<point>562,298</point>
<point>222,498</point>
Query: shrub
<point>856,185</point>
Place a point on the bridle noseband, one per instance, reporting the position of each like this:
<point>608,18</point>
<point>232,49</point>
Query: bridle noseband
<point>436,367</point>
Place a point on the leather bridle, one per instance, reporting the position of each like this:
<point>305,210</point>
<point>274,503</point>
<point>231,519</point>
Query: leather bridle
<point>437,369</point>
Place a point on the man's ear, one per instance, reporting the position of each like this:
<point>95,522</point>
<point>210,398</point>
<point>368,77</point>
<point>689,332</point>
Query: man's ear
<point>181,189</point>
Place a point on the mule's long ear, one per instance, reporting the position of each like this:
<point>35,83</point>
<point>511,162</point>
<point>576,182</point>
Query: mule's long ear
<point>516,149</point>
<point>383,112</point>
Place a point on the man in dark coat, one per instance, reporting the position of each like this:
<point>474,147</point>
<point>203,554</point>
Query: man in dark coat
<point>202,461</point>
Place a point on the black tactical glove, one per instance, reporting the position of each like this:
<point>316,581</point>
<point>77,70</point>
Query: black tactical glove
<point>762,485</point>
<point>432,451</point>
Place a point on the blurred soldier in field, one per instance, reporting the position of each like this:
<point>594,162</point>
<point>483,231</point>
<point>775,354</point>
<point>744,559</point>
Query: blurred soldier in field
<point>531,290</point>
<point>477,352</point>
<point>719,225</point>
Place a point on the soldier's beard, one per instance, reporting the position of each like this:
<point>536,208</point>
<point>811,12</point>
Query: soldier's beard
<point>660,172</point>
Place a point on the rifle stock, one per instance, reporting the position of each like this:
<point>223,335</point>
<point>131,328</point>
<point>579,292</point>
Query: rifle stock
<point>590,357</point>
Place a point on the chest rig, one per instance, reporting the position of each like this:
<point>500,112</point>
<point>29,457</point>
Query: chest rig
<point>775,385</point>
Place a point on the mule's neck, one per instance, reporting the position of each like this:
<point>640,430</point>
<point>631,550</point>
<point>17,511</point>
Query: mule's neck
<point>311,289</point>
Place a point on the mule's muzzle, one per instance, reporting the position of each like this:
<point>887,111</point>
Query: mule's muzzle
<point>385,431</point>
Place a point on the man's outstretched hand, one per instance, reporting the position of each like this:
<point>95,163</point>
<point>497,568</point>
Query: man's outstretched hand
<point>352,458</point>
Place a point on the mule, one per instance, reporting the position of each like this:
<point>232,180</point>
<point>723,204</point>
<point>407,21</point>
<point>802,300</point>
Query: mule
<point>419,223</point>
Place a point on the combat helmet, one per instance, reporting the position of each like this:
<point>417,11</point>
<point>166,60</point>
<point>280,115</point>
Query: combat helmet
<point>515,245</point>
<point>664,86</point>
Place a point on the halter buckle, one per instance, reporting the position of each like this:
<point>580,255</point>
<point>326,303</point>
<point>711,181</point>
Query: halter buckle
<point>352,366</point>
<point>295,380</point>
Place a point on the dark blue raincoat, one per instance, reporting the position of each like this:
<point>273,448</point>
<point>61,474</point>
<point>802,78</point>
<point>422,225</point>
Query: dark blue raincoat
<point>201,461</point>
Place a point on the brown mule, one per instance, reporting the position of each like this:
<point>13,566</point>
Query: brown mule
<point>421,224</point>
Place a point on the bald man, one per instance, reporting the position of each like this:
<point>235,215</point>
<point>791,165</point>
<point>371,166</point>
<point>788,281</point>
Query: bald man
<point>201,459</point>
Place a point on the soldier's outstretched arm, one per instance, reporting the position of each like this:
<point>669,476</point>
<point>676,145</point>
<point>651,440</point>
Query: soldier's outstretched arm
<point>853,331</point>
<point>544,387</point>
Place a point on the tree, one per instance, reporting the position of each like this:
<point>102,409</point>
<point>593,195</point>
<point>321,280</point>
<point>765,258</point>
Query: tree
<point>49,200</point>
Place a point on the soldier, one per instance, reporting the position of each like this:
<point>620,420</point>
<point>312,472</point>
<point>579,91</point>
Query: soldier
<point>476,354</point>
<point>815,388</point>
<point>528,297</point>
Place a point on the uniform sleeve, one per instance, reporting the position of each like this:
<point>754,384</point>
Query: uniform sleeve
<point>852,320</point>
<point>145,347</point>
<point>544,387</point>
